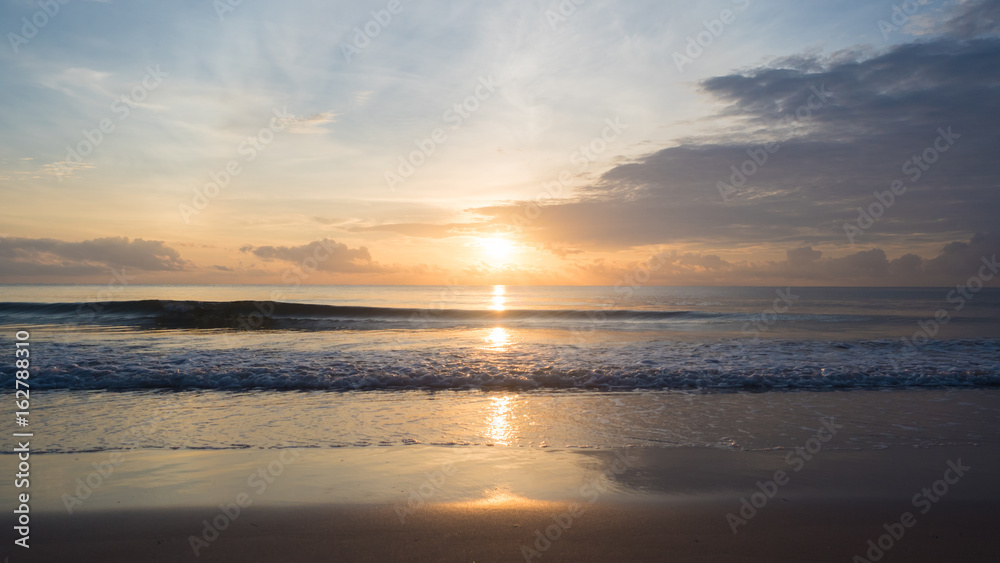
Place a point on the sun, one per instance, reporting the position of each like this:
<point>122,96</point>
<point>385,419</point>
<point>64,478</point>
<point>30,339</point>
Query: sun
<point>496,249</point>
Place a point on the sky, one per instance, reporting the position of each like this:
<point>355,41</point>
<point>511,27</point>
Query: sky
<point>564,142</point>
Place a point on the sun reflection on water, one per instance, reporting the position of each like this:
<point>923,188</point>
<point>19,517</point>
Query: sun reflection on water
<point>499,297</point>
<point>498,339</point>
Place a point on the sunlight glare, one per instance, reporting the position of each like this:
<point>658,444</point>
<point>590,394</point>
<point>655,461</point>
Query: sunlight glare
<point>496,249</point>
<point>498,338</point>
<point>503,497</point>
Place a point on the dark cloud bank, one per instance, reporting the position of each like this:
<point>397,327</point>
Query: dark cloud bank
<point>45,256</point>
<point>25,257</point>
<point>954,265</point>
<point>322,255</point>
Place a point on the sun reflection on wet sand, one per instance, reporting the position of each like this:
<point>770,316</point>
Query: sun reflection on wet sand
<point>503,497</point>
<point>500,420</point>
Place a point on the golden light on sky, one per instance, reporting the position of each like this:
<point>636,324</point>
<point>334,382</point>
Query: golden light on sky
<point>580,150</point>
<point>497,250</point>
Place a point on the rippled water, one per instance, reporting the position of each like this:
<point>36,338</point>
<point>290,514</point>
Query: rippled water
<point>518,338</point>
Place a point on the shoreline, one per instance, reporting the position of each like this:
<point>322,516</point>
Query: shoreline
<point>537,419</point>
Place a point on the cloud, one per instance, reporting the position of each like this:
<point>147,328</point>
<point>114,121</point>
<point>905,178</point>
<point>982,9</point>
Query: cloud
<point>954,264</point>
<point>314,123</point>
<point>65,168</point>
<point>45,256</point>
<point>428,230</point>
<point>803,255</point>
<point>329,220</point>
<point>841,127</point>
<point>972,19</point>
<point>324,255</point>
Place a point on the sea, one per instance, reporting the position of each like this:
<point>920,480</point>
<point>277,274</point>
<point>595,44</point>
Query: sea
<point>253,366</point>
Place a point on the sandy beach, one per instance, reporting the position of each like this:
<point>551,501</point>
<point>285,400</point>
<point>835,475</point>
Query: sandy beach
<point>426,503</point>
<point>830,531</point>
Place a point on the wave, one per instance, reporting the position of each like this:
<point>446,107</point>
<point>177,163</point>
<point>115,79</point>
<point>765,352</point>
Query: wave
<point>274,315</point>
<point>264,376</point>
<point>461,360</point>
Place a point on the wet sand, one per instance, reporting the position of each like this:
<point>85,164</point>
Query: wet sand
<point>815,531</point>
<point>481,504</point>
